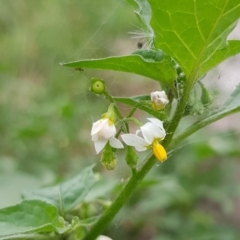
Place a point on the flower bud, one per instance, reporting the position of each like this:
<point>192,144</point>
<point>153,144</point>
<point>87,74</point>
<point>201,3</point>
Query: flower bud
<point>206,97</point>
<point>131,157</point>
<point>194,105</point>
<point>159,100</point>
<point>108,158</point>
<point>97,86</point>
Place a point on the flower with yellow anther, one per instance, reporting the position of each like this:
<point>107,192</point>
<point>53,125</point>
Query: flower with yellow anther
<point>152,133</point>
<point>159,100</point>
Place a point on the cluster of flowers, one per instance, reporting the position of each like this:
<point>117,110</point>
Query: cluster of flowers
<point>151,133</point>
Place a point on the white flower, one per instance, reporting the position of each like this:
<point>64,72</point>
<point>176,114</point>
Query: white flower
<point>101,237</point>
<point>103,131</point>
<point>159,100</point>
<point>152,133</point>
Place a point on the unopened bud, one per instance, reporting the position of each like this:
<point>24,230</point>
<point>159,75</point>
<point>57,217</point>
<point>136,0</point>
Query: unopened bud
<point>108,158</point>
<point>131,157</point>
<point>206,97</point>
<point>159,100</point>
<point>97,86</point>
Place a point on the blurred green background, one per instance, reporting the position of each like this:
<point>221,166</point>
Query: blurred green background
<point>46,113</point>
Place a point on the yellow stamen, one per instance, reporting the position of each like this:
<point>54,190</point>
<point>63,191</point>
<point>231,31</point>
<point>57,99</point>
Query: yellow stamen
<point>159,151</point>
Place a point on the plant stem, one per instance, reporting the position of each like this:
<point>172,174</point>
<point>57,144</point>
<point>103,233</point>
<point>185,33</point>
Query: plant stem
<point>202,123</point>
<point>122,197</point>
<point>34,236</point>
<point>171,128</point>
<point>110,98</point>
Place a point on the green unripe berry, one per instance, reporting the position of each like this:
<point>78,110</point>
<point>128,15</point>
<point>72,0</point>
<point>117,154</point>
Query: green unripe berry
<point>97,86</point>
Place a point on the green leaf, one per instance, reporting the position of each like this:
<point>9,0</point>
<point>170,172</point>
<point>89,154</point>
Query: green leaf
<point>141,102</point>
<point>219,56</point>
<point>194,32</point>
<point>101,189</point>
<point>30,216</point>
<point>88,222</point>
<point>143,12</point>
<point>68,194</point>
<point>154,64</point>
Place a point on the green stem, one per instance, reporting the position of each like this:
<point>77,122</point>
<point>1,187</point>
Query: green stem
<point>131,112</point>
<point>202,123</point>
<point>34,236</point>
<point>122,197</point>
<point>171,128</point>
<point>129,119</point>
<point>110,98</point>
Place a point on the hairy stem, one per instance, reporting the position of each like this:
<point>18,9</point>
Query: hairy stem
<point>178,114</point>
<point>34,236</point>
<point>110,98</point>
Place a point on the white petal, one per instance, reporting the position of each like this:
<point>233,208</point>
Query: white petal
<point>107,130</point>
<point>114,142</point>
<point>149,130</point>
<point>95,137</point>
<point>99,145</point>
<point>157,122</point>
<point>159,134</point>
<point>140,148</point>
<point>101,237</point>
<point>102,129</point>
<point>138,131</point>
<point>96,126</point>
<point>132,140</point>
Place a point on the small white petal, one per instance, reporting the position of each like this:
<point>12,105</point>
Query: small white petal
<point>138,131</point>
<point>157,122</point>
<point>107,130</point>
<point>114,142</point>
<point>97,126</point>
<point>140,148</point>
<point>102,129</point>
<point>135,141</point>
<point>101,237</point>
<point>99,145</point>
<point>95,137</point>
<point>164,101</point>
<point>149,131</point>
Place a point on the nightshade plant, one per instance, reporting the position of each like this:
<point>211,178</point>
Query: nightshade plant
<point>184,40</point>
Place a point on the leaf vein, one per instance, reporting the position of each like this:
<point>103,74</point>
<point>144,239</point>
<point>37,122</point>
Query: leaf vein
<point>181,40</point>
<point>197,22</point>
<point>229,11</point>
